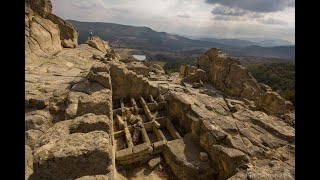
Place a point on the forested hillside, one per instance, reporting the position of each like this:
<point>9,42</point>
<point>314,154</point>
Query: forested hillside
<point>280,76</point>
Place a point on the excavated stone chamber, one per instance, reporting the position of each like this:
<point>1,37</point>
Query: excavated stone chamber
<point>140,132</point>
<point>144,130</point>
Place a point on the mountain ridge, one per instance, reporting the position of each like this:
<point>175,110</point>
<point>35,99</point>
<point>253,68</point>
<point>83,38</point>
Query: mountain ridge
<point>142,37</point>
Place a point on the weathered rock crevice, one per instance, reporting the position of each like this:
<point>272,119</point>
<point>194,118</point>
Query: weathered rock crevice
<point>48,30</point>
<point>224,81</point>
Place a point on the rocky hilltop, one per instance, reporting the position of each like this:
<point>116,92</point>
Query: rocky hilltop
<point>45,31</point>
<point>90,114</point>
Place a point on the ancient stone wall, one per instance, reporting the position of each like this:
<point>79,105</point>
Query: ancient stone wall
<point>126,83</point>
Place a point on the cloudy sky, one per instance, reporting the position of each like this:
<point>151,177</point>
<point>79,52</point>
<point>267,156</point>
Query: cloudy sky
<point>198,18</point>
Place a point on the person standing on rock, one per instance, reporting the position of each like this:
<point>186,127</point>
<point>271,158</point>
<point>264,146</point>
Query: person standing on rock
<point>90,34</point>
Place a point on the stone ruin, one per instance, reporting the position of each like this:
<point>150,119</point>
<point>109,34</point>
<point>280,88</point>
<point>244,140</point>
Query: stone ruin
<point>92,115</point>
<point>120,119</point>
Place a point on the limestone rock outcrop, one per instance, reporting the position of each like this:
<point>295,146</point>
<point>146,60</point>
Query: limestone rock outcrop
<point>28,162</point>
<point>274,104</point>
<point>31,136</point>
<point>100,73</point>
<point>182,156</point>
<point>144,68</point>
<point>74,148</point>
<point>232,142</point>
<point>38,120</point>
<point>155,68</point>
<point>44,31</point>
<point>139,68</point>
<point>111,54</point>
<point>98,103</point>
<point>99,44</point>
<point>42,35</point>
<point>72,104</point>
<point>68,32</point>
<point>90,122</point>
<point>42,7</point>
<point>228,75</point>
<point>36,99</point>
<point>192,74</point>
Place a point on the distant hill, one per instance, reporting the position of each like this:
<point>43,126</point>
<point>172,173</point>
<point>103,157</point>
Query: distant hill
<point>144,38</point>
<point>139,37</point>
<point>231,42</point>
<point>280,76</point>
<point>287,52</point>
<point>269,42</point>
<point>244,42</point>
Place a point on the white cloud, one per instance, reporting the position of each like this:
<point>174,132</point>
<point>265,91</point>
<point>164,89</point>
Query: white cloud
<point>227,11</point>
<point>256,5</point>
<point>183,15</point>
<point>186,17</point>
<point>273,21</point>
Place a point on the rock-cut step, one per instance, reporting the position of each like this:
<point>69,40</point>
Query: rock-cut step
<point>182,155</point>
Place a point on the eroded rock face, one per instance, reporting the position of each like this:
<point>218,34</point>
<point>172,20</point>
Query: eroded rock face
<point>99,103</point>
<point>28,162</point>
<point>139,68</point>
<point>68,33</point>
<point>228,75</point>
<point>144,68</point>
<point>226,157</point>
<point>90,122</point>
<point>57,105</point>
<point>111,54</point>
<point>154,67</point>
<point>290,119</point>
<point>41,7</point>
<point>42,35</point>
<point>36,99</point>
<point>31,136</point>
<point>44,31</point>
<point>38,120</point>
<point>192,73</point>
<point>182,157</point>
<point>274,104</point>
<point>99,44</point>
<point>72,104</point>
<point>246,138</point>
<point>74,148</point>
<point>87,87</point>
<point>100,73</point>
